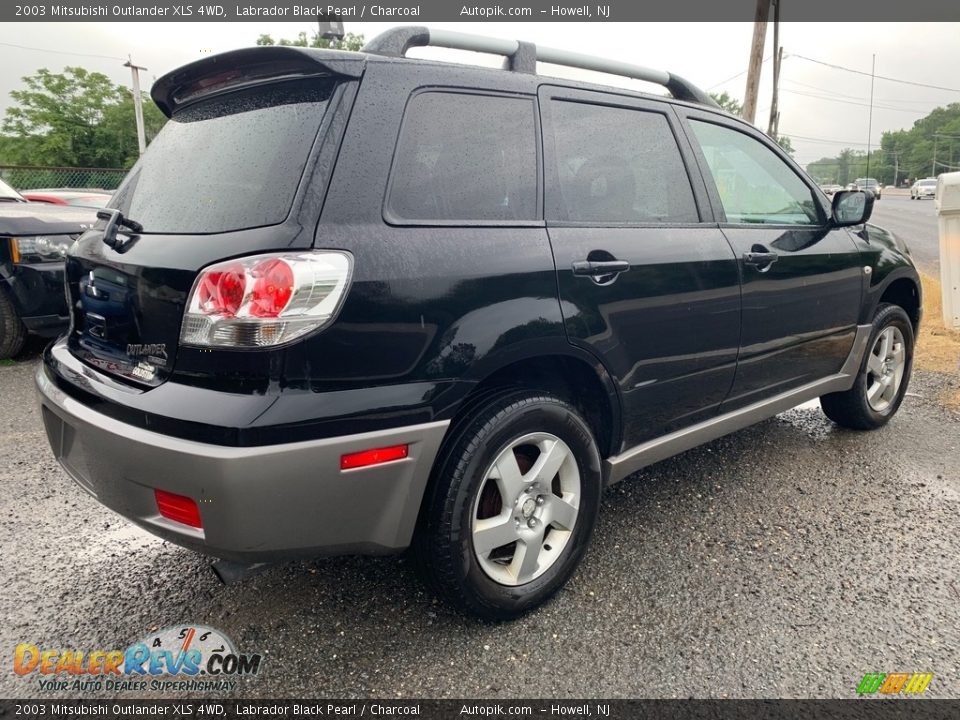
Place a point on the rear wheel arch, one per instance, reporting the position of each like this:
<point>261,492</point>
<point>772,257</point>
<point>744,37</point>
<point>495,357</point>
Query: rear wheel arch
<point>575,377</point>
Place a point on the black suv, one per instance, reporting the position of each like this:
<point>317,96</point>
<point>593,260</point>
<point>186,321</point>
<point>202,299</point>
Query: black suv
<point>354,302</point>
<point>34,238</point>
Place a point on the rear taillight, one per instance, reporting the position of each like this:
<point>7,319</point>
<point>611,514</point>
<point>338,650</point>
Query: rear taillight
<point>265,300</point>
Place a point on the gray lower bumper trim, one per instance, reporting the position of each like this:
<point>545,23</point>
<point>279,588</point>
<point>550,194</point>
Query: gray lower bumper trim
<point>256,503</point>
<point>620,466</point>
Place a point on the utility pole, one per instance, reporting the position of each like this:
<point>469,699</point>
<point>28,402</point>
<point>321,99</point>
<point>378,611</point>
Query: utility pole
<point>756,60</point>
<point>774,124</point>
<point>933,165</point>
<point>873,69</point>
<point>774,128</point>
<point>137,103</point>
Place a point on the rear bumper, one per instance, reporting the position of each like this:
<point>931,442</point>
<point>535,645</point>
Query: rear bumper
<point>256,503</point>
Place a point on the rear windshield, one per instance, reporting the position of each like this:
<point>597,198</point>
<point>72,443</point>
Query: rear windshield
<point>928,183</point>
<point>228,163</point>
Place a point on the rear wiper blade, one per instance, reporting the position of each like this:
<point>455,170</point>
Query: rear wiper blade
<point>115,219</point>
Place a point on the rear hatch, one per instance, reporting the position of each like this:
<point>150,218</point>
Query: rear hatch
<point>224,178</point>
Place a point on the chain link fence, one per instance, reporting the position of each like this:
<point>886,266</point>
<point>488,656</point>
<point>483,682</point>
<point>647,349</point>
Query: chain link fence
<point>24,177</point>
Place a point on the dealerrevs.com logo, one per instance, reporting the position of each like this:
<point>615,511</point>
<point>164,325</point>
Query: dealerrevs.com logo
<point>178,658</point>
<point>894,683</point>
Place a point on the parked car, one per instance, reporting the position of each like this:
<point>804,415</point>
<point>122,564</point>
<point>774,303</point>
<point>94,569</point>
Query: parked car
<point>67,196</point>
<point>9,195</point>
<point>868,184</point>
<point>33,242</point>
<point>390,324</point>
<point>925,188</point>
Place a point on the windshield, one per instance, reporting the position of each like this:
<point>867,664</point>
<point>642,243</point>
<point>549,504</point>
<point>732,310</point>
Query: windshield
<point>928,183</point>
<point>8,193</point>
<point>228,163</point>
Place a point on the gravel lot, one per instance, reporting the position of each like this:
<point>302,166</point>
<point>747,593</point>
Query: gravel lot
<point>785,560</point>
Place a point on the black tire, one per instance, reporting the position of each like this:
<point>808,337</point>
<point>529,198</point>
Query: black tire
<point>443,546</point>
<point>12,332</point>
<point>852,409</point>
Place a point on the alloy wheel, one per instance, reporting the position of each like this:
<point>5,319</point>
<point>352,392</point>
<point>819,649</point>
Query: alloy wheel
<point>885,367</point>
<point>526,509</point>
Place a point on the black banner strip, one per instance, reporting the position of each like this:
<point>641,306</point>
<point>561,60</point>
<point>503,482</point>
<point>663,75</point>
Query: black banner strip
<point>425,11</point>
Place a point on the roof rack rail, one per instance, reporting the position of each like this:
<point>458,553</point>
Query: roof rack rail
<point>523,57</point>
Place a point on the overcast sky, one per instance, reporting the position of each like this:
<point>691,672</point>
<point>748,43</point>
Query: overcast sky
<point>822,109</point>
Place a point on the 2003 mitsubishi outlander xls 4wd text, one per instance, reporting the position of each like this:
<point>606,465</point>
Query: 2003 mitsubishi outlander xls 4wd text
<point>358,302</point>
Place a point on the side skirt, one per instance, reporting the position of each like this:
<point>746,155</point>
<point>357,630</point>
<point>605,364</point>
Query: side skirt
<point>620,466</point>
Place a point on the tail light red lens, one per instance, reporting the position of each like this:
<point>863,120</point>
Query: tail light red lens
<point>178,508</point>
<point>272,288</point>
<point>221,292</point>
<point>230,290</point>
<point>266,300</point>
<point>376,456</point>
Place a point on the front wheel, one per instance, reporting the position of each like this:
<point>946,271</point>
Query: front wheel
<point>884,374</point>
<point>512,506</point>
<point>12,332</point>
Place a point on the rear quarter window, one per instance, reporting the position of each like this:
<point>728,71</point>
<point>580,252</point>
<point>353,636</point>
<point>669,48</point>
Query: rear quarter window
<point>465,157</point>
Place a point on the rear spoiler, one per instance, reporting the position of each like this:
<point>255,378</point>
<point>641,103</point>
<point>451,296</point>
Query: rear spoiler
<point>249,67</point>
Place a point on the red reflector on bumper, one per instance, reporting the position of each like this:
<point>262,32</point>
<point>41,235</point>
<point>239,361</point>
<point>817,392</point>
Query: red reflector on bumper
<point>373,457</point>
<point>178,508</point>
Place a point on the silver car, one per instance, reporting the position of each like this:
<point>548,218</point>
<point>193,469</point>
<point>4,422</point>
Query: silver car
<point>923,188</point>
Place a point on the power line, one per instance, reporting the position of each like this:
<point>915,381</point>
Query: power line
<point>847,96</point>
<point>62,52</point>
<point>852,102</point>
<point>823,140</point>
<point>878,77</point>
<point>734,77</point>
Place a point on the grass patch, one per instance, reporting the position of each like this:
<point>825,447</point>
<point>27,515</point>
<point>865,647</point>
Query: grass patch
<point>8,361</point>
<point>938,349</point>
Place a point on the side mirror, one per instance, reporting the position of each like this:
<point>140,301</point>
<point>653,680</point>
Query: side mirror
<point>852,207</point>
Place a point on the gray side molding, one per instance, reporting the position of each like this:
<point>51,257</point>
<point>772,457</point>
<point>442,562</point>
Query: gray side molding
<point>620,466</point>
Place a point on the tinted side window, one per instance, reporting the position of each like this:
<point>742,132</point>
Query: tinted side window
<point>618,165</point>
<point>465,157</point>
<point>754,184</point>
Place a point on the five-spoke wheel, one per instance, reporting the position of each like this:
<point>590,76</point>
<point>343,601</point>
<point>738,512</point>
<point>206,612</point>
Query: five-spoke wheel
<point>526,509</point>
<point>884,374</point>
<point>511,505</point>
<point>885,367</point>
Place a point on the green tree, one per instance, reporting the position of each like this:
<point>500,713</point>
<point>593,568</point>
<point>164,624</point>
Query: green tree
<point>75,118</point>
<point>930,147</point>
<point>784,142</point>
<point>845,159</point>
<point>350,41</point>
<point>728,103</point>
